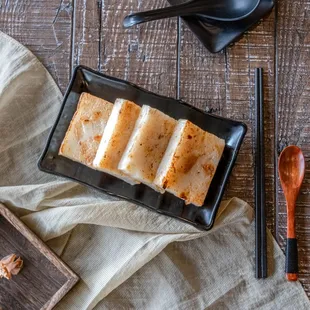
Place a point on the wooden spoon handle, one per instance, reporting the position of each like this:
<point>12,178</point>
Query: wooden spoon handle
<point>291,263</point>
<point>291,221</point>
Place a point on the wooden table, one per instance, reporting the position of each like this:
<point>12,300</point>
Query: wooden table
<point>166,58</point>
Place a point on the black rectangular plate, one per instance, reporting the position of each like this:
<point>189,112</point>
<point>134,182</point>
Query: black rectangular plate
<point>110,88</point>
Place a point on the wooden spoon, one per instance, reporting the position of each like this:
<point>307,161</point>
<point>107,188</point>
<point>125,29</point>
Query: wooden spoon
<point>291,172</point>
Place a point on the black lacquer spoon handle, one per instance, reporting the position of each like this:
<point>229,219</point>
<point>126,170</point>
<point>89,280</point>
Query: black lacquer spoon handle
<point>222,10</point>
<point>184,9</point>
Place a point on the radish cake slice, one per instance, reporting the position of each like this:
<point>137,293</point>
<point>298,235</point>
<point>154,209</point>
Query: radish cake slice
<point>189,163</point>
<point>85,130</point>
<point>115,138</point>
<point>147,146</point>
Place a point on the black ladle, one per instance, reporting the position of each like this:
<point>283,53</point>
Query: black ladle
<point>222,10</point>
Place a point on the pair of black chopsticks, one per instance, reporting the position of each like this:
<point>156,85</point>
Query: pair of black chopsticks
<point>260,215</point>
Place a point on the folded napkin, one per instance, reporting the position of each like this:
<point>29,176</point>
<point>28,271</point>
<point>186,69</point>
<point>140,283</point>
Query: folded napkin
<point>125,255</point>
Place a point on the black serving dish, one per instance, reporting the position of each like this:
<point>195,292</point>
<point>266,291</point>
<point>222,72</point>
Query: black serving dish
<point>110,88</point>
<point>216,35</point>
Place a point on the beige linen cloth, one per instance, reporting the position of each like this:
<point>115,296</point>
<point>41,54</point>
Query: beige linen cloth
<point>126,256</point>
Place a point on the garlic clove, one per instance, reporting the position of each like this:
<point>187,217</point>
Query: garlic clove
<point>10,265</point>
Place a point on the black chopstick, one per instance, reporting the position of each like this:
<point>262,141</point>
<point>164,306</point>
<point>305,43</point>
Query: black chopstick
<point>260,216</point>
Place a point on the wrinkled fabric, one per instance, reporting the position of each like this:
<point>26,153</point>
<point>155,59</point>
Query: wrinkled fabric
<point>126,256</point>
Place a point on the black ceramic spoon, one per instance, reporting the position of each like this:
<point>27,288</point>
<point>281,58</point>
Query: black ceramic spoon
<point>223,10</point>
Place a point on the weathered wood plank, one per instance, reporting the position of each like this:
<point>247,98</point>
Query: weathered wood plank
<point>223,84</point>
<point>145,54</point>
<point>293,33</point>
<point>202,74</point>
<point>45,28</point>
<point>86,33</point>
<point>255,49</point>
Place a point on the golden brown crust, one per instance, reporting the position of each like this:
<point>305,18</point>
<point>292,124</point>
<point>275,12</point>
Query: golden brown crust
<point>85,130</point>
<point>193,164</point>
<point>115,138</point>
<point>147,145</point>
<point>121,133</point>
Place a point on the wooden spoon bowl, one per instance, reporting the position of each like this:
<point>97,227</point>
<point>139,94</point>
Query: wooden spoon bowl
<point>291,171</point>
<point>291,167</point>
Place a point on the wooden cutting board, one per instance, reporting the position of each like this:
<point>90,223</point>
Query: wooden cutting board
<point>44,279</point>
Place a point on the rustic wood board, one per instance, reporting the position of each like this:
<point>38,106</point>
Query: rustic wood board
<point>165,57</point>
<point>45,28</point>
<point>44,279</point>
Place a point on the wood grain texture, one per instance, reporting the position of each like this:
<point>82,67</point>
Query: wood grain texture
<point>44,279</point>
<point>145,55</point>
<point>293,127</point>
<point>255,49</point>
<point>86,33</point>
<point>45,28</point>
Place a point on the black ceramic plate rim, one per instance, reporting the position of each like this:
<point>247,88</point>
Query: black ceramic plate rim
<point>227,173</point>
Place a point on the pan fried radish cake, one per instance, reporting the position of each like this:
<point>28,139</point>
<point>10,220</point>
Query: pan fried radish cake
<point>147,146</point>
<point>115,138</point>
<point>85,130</point>
<point>189,163</point>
